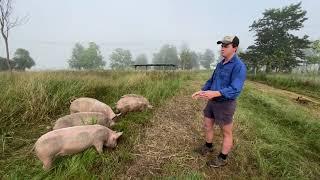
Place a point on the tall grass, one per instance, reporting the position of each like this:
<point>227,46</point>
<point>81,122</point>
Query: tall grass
<point>30,102</point>
<point>307,84</point>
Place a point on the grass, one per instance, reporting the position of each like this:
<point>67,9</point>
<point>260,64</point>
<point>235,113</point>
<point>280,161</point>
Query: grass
<point>186,176</point>
<point>275,136</point>
<point>307,84</point>
<point>284,136</point>
<point>32,101</point>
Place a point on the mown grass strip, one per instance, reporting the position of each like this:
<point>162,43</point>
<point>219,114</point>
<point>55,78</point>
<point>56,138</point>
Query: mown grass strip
<point>308,84</point>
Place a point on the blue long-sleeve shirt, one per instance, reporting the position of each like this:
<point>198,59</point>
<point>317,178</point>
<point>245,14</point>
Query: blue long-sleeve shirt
<point>228,79</point>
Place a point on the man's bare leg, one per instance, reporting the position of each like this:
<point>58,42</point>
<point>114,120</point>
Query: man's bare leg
<point>208,129</point>
<point>227,138</point>
<point>220,160</point>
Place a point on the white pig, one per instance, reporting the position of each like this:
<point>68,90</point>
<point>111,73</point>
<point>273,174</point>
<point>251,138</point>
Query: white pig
<point>71,140</point>
<point>85,104</point>
<point>83,118</point>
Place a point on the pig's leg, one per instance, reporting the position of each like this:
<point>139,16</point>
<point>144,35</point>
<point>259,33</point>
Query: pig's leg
<point>99,147</point>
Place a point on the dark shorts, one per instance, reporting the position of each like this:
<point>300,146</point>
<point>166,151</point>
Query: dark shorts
<point>221,112</point>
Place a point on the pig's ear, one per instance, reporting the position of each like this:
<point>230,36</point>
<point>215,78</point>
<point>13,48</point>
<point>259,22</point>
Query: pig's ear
<point>118,134</point>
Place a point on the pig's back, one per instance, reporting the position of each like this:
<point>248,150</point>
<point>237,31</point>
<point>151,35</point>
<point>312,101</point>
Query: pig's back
<point>130,103</point>
<point>70,132</point>
<point>86,105</point>
<point>88,118</point>
<point>80,118</point>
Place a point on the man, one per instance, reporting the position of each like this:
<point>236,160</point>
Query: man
<point>221,91</point>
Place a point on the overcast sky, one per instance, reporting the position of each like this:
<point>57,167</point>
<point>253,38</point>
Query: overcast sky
<point>142,26</point>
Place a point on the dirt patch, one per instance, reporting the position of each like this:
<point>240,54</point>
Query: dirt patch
<point>175,129</point>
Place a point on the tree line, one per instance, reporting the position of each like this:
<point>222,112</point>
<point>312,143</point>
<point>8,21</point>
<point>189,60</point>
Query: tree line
<point>91,57</point>
<point>21,61</point>
<point>121,59</point>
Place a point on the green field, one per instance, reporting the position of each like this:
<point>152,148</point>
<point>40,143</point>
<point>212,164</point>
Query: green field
<point>276,136</point>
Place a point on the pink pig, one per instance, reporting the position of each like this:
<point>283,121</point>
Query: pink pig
<point>71,140</point>
<point>85,104</point>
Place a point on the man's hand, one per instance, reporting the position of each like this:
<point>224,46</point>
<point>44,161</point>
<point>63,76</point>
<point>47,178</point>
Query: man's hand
<point>211,94</point>
<point>198,94</point>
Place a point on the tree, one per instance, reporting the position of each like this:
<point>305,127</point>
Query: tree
<point>167,55</point>
<point>86,58</point>
<point>121,59</point>
<point>314,55</point>
<point>195,60</point>
<point>22,59</point>
<point>3,64</point>
<point>279,49</point>
<point>252,59</point>
<point>185,59</point>
<point>141,59</point>
<point>94,57</point>
<point>189,59</point>
<point>207,58</point>
<point>77,56</point>
<point>7,23</point>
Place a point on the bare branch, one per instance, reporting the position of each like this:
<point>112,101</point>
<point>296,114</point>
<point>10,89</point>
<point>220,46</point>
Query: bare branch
<point>7,23</point>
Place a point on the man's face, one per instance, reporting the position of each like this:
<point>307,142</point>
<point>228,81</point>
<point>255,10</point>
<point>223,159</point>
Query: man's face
<point>227,50</point>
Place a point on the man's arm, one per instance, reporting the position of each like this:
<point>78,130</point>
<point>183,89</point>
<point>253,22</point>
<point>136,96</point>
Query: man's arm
<point>205,88</point>
<point>208,84</point>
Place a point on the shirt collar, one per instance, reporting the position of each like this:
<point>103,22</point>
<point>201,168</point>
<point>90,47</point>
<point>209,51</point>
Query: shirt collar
<point>234,57</point>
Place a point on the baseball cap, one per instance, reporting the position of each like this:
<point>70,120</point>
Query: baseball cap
<point>229,39</point>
